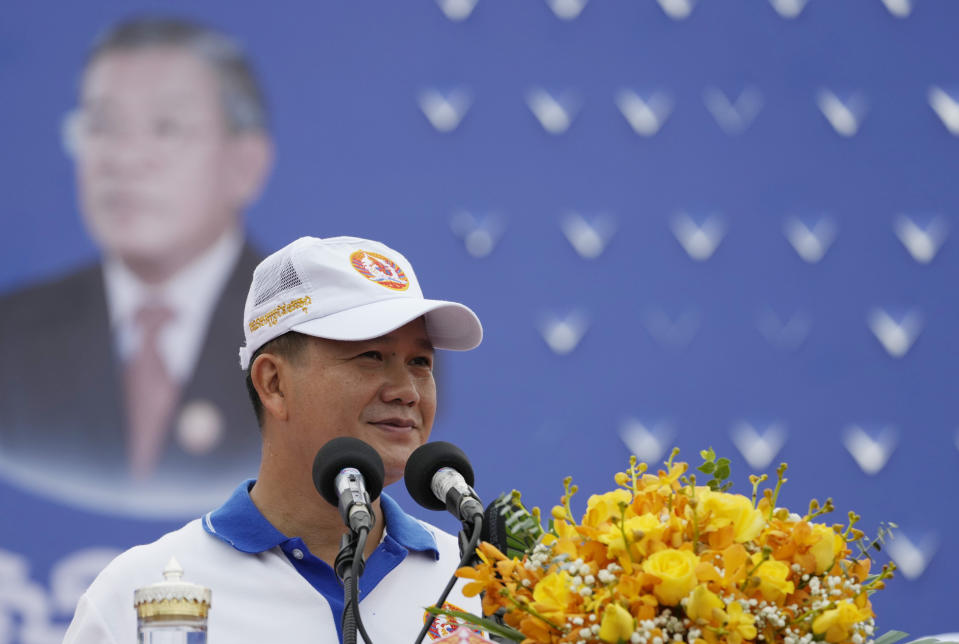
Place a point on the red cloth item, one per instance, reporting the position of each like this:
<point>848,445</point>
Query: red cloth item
<point>151,393</point>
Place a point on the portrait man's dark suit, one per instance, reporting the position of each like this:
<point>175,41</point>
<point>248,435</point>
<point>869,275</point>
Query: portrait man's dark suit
<point>61,394</point>
<point>121,386</point>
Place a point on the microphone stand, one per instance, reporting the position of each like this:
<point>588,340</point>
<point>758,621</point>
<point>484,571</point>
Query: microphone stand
<point>467,553</point>
<point>349,564</point>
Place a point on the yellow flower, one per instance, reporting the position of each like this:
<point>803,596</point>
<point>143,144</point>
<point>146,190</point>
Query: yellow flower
<point>617,624</point>
<point>739,624</point>
<point>704,605</point>
<point>720,509</point>
<point>676,570</point>
<point>636,528</point>
<point>837,622</point>
<point>829,546</point>
<point>648,524</point>
<point>602,508</point>
<point>663,543</point>
<point>774,581</point>
<point>551,595</point>
<point>664,481</point>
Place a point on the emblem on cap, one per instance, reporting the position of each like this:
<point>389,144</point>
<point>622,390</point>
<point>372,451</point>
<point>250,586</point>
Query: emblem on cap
<point>380,269</point>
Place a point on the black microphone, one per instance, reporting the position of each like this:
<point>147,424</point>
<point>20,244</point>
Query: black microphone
<point>438,475</point>
<point>349,474</point>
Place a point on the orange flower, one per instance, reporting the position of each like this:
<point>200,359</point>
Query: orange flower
<point>536,630</point>
<point>725,573</point>
<point>860,569</point>
<point>483,578</point>
<point>660,544</point>
<point>488,552</point>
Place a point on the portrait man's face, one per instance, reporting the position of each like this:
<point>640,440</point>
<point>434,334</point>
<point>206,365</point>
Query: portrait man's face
<point>380,391</point>
<point>160,175</point>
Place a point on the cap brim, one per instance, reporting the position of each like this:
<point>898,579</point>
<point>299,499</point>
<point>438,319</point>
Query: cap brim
<point>450,325</point>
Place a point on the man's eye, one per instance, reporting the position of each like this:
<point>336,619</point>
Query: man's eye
<point>423,361</point>
<point>98,125</point>
<point>375,355</point>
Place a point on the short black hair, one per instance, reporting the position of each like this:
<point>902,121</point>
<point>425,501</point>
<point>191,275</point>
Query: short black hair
<point>244,104</point>
<point>291,345</point>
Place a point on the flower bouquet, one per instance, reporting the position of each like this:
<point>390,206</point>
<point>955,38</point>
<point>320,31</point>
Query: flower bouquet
<point>665,558</point>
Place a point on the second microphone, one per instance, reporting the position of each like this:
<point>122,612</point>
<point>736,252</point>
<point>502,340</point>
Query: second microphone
<point>438,475</point>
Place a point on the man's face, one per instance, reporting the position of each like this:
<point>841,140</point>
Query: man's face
<point>153,156</point>
<point>380,391</point>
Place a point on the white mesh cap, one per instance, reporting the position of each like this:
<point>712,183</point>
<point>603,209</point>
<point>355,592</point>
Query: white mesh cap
<point>346,288</point>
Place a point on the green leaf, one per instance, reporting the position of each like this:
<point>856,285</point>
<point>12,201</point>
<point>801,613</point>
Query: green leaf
<point>489,625</point>
<point>707,468</point>
<point>722,471</point>
<point>891,637</point>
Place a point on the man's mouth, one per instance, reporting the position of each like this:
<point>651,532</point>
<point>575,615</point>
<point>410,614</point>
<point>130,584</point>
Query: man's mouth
<point>123,204</point>
<point>394,424</point>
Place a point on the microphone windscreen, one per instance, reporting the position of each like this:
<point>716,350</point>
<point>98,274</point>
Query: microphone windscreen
<point>424,462</point>
<point>341,453</point>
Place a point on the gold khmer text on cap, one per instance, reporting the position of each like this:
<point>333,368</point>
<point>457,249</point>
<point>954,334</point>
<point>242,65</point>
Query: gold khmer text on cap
<point>273,316</point>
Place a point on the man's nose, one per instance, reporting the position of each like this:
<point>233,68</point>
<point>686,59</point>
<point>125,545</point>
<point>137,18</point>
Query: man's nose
<point>131,154</point>
<point>400,386</point>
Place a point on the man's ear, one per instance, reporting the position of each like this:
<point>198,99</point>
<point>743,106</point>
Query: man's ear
<point>250,161</point>
<point>267,374</point>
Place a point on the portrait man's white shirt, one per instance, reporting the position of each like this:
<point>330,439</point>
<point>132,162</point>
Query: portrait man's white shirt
<point>191,295</point>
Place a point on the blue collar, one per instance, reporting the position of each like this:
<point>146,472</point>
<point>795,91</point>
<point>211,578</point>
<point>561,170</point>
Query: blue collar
<point>240,523</point>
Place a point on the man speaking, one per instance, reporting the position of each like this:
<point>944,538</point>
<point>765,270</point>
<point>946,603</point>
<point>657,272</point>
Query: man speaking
<point>339,342</point>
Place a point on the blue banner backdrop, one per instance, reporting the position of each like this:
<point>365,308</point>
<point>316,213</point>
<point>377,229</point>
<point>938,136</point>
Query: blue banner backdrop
<point>721,223</point>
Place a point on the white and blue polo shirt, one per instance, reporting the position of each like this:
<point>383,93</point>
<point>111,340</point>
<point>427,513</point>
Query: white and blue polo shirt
<point>269,587</point>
